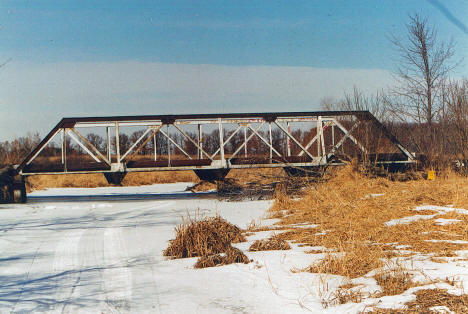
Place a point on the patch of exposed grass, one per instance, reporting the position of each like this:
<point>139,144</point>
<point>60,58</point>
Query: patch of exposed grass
<point>394,281</point>
<point>352,261</point>
<point>232,255</point>
<point>432,301</point>
<point>273,243</point>
<point>345,294</point>
<point>428,298</point>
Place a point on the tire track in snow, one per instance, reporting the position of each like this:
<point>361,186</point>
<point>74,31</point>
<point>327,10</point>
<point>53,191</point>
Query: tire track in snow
<point>117,277</point>
<point>67,261</point>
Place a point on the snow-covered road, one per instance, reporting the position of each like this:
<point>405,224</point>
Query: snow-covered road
<point>100,251</point>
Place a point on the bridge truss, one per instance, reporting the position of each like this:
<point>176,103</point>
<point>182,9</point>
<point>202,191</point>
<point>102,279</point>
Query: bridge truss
<point>211,144</point>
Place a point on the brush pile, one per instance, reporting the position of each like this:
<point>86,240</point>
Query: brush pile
<point>273,243</point>
<point>210,239</point>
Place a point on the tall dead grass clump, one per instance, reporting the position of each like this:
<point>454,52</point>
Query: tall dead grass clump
<point>203,237</point>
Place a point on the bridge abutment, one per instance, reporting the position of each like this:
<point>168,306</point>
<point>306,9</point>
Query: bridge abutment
<point>115,178</point>
<point>12,186</point>
<point>212,174</point>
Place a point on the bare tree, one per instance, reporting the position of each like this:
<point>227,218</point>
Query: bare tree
<point>96,140</point>
<point>456,100</point>
<point>425,65</point>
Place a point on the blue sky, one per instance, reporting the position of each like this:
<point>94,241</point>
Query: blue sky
<point>148,57</point>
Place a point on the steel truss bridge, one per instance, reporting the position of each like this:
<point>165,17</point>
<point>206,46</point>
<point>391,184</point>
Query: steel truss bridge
<point>212,144</point>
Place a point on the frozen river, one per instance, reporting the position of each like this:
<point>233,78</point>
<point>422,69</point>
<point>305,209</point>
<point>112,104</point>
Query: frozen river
<point>100,250</point>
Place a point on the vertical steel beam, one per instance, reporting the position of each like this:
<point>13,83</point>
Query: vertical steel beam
<point>117,142</point>
<point>288,140</point>
<point>108,144</point>
<point>64,150</point>
<point>63,146</point>
<point>245,141</point>
<point>155,145</point>
<point>333,134</point>
<point>168,147</point>
<point>200,142</point>
<point>318,137</point>
<point>271,141</point>
<point>322,139</point>
<point>221,139</point>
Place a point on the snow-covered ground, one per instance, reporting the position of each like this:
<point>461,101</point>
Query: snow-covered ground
<point>100,251</point>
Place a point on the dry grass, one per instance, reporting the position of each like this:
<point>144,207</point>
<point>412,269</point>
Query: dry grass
<point>232,255</point>
<point>203,237</point>
<point>202,186</point>
<point>351,221</point>
<point>395,281</point>
<point>351,225</point>
<point>345,294</point>
<point>92,180</point>
<point>352,262</point>
<point>273,243</point>
<point>427,299</point>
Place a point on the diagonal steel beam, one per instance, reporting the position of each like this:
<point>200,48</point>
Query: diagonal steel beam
<point>264,141</point>
<point>42,147</point>
<point>312,141</point>
<point>352,138</point>
<point>84,147</point>
<point>345,136</point>
<point>91,146</point>
<point>192,141</point>
<point>227,141</point>
<point>175,144</point>
<point>156,130</point>
<point>135,144</point>
<point>294,140</point>
<point>246,141</point>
